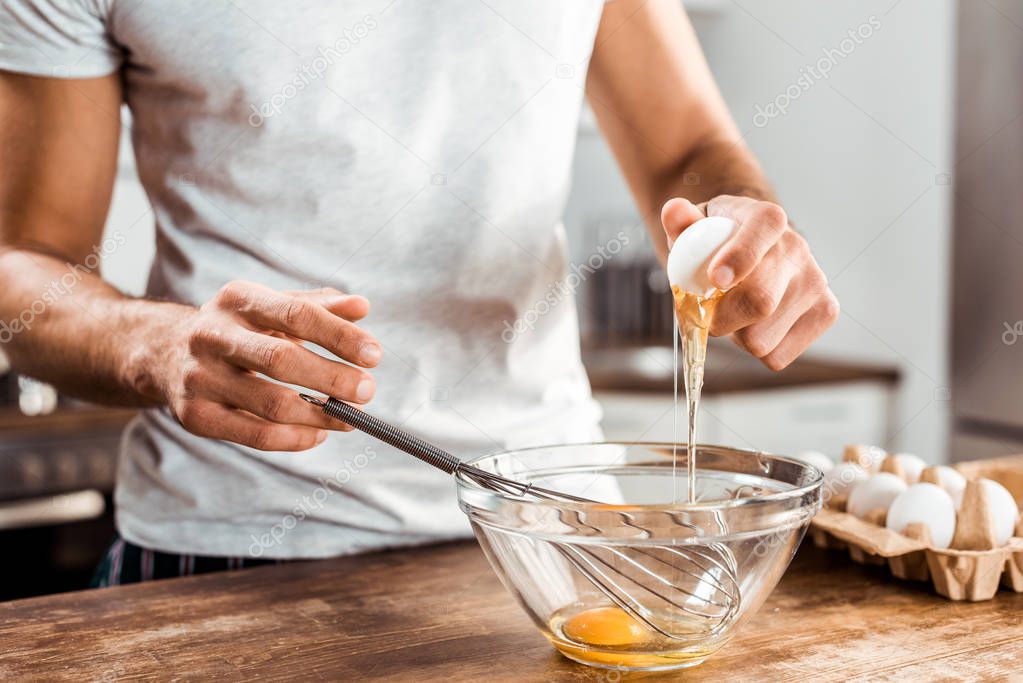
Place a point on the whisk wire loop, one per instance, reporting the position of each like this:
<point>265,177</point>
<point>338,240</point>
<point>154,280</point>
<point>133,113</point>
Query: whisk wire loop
<point>712,594</point>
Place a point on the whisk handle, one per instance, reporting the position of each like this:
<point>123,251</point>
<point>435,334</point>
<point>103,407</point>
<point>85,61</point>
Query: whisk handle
<point>391,435</point>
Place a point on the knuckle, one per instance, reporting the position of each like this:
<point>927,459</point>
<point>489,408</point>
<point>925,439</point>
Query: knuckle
<point>192,378</point>
<point>772,215</point>
<point>345,336</point>
<point>297,314</point>
<point>817,281</point>
<point>196,340</point>
<point>342,385</point>
<point>272,358</point>
<point>192,415</point>
<point>729,316</point>
<point>262,437</point>
<point>759,348</point>
<point>744,256</point>
<point>274,405</point>
<point>796,243</point>
<point>756,344</point>
<point>306,441</point>
<point>234,294</point>
<point>758,302</point>
<point>830,307</point>
<point>203,338</point>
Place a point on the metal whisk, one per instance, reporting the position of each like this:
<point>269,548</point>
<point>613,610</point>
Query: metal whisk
<point>652,584</point>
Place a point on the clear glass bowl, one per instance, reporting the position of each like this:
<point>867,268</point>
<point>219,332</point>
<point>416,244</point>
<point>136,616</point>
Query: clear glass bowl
<point>751,511</point>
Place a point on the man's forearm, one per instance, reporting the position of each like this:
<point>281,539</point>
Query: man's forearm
<point>716,168</point>
<point>64,325</point>
<point>221,369</point>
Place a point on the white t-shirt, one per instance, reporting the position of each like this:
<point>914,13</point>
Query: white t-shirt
<point>416,153</point>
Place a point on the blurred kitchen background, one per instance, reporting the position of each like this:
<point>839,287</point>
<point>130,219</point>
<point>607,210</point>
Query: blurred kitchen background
<point>901,167</point>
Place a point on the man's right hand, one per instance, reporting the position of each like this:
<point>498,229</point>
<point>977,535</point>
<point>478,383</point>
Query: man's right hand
<point>213,383</point>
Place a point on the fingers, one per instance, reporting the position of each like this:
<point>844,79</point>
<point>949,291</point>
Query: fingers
<point>760,226</point>
<point>248,330</point>
<point>780,308</point>
<point>273,402</point>
<point>806,330</point>
<point>284,361</point>
<point>755,299</point>
<point>762,337</point>
<point>677,215</point>
<point>789,270</point>
<point>211,419</point>
<point>349,306</point>
<point>302,318</point>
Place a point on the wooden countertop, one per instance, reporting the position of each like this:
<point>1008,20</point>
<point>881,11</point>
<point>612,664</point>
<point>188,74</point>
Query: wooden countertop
<point>439,613</point>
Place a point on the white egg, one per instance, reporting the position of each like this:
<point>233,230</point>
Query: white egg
<point>928,504</point>
<point>912,466</point>
<point>692,251</point>
<point>1003,509</point>
<point>840,479</point>
<point>815,458</point>
<point>867,457</point>
<point>877,492</point>
<point>953,482</point>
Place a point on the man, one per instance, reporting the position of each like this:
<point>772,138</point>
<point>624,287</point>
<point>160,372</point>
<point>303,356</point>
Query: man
<point>305,159</point>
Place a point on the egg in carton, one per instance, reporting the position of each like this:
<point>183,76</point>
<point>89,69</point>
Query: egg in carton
<point>928,523</point>
<point>1007,471</point>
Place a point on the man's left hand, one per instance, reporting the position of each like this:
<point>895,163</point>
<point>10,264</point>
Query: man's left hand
<point>777,299</point>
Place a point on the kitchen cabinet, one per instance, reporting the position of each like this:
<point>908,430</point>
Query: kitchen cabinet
<point>72,449</point>
<point>56,477</point>
<point>811,405</point>
<point>783,421</point>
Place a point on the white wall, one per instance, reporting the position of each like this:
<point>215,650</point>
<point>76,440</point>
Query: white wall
<point>856,160</point>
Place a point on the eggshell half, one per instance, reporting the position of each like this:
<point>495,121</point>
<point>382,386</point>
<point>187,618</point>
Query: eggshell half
<point>692,251</point>
<point>926,504</point>
<point>1003,510</point>
<point>876,493</point>
<point>817,459</point>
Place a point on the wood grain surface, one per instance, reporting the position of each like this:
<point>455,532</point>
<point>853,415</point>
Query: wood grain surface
<point>439,613</point>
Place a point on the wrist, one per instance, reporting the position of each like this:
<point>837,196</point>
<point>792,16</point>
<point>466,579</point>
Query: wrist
<point>157,349</point>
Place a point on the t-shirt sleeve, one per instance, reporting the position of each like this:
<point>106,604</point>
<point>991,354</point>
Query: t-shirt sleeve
<point>58,38</point>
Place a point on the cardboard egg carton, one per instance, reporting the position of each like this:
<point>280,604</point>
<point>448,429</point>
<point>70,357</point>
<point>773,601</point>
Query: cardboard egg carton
<point>972,568</point>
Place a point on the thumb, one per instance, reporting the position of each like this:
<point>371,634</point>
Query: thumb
<point>678,214</point>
